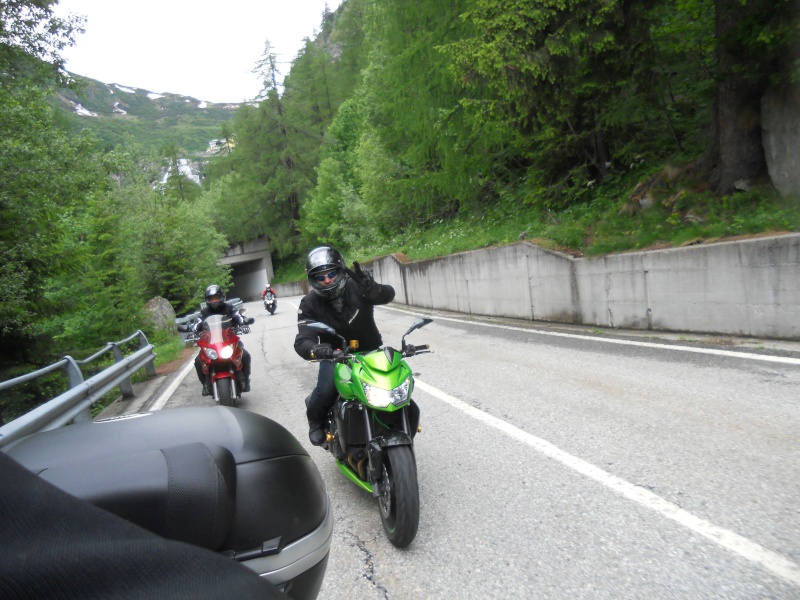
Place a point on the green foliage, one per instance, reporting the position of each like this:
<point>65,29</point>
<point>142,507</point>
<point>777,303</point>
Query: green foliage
<point>44,174</point>
<point>763,37</point>
<point>572,78</point>
<point>268,177</point>
<point>475,121</point>
<point>31,38</point>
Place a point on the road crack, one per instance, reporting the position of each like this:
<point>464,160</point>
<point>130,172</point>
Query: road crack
<point>369,566</point>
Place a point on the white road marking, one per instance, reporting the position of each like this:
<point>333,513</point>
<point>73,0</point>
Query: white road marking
<point>167,393</point>
<point>746,355</point>
<point>747,549</point>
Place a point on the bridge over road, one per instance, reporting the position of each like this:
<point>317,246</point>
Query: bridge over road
<point>251,263</point>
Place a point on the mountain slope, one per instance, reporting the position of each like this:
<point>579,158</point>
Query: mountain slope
<point>113,112</point>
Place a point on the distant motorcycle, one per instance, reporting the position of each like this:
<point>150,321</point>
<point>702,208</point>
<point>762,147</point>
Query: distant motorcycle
<point>270,302</point>
<point>221,357</point>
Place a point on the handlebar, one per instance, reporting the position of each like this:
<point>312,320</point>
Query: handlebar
<point>343,355</point>
<point>412,350</point>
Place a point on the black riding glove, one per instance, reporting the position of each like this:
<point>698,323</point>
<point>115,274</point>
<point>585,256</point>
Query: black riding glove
<point>363,278</point>
<point>321,351</point>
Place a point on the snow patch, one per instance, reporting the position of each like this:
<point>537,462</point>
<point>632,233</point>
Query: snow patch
<point>124,89</point>
<point>82,111</point>
<point>119,110</point>
<point>154,96</point>
<point>202,104</point>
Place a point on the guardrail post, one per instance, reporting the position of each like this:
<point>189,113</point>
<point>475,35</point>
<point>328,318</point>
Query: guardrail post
<point>74,375</point>
<point>74,379</point>
<point>150,367</point>
<point>125,386</point>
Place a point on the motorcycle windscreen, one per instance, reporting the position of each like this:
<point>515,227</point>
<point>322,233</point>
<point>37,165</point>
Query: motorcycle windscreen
<point>217,328</point>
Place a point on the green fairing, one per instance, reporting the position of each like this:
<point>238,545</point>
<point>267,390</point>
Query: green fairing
<point>373,368</point>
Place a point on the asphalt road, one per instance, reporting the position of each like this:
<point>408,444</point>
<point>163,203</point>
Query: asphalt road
<point>564,463</point>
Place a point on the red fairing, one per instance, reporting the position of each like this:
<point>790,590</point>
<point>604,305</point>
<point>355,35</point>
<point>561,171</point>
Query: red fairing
<point>220,351</point>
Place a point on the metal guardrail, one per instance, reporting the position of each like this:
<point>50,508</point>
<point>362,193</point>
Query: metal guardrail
<point>76,403</point>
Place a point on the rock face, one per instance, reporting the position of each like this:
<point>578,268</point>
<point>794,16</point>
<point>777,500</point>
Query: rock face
<point>161,314</point>
<point>780,113</point>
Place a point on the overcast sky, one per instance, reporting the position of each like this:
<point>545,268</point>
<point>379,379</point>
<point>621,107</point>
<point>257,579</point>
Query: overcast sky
<point>196,48</point>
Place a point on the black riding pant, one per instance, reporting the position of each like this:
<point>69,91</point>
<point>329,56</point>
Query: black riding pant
<point>319,402</point>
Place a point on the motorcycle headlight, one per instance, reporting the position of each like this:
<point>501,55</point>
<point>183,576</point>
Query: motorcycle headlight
<point>226,352</point>
<point>380,398</point>
<point>210,353</point>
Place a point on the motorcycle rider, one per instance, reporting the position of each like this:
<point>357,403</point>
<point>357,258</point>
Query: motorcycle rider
<point>343,299</point>
<point>268,289</point>
<point>215,304</point>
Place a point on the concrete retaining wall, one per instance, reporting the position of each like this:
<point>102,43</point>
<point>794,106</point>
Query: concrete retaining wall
<point>294,288</point>
<point>744,288</point>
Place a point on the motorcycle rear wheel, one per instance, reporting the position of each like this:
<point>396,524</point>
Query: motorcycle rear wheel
<point>225,389</point>
<point>399,499</point>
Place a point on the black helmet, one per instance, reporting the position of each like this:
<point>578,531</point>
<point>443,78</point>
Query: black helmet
<point>321,261</point>
<point>214,296</point>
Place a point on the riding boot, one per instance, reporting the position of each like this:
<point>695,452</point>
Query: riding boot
<point>316,432</point>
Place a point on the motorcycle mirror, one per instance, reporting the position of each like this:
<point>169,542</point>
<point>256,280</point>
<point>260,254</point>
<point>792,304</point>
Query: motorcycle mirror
<point>324,329</point>
<point>417,324</point>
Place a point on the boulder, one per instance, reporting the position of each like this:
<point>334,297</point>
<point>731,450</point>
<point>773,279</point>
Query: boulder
<point>161,314</point>
<point>780,109</point>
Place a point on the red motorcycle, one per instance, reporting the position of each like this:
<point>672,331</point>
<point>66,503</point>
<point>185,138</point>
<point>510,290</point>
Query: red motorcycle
<point>221,358</point>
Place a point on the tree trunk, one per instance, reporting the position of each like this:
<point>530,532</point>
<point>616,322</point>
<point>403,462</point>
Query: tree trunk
<point>738,109</point>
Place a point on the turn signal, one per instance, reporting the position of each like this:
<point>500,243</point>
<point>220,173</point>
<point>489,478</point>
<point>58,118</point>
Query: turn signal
<point>419,429</point>
<point>329,437</point>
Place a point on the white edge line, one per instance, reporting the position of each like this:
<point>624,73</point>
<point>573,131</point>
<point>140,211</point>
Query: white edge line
<point>167,393</point>
<point>771,561</point>
<point>746,355</point>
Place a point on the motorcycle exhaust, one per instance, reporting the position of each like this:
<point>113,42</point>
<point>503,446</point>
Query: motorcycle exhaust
<point>356,459</point>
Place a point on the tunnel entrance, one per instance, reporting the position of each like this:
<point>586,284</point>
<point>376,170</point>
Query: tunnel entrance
<point>251,265</point>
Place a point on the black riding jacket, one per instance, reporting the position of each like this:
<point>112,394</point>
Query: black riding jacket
<point>226,309</point>
<point>355,322</point>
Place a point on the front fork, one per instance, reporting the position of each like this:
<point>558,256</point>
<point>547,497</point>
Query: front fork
<point>236,376</point>
<point>377,446</point>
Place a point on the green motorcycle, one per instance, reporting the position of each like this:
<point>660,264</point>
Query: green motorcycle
<point>371,428</point>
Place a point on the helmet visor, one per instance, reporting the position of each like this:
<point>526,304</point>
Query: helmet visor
<point>328,275</point>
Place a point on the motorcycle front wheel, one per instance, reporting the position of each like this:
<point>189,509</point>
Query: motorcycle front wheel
<point>225,389</point>
<point>399,498</point>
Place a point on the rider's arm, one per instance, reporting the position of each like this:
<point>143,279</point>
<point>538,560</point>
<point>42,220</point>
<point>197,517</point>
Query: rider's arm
<point>233,314</point>
<point>381,294</point>
<point>306,337</point>
<point>305,341</point>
